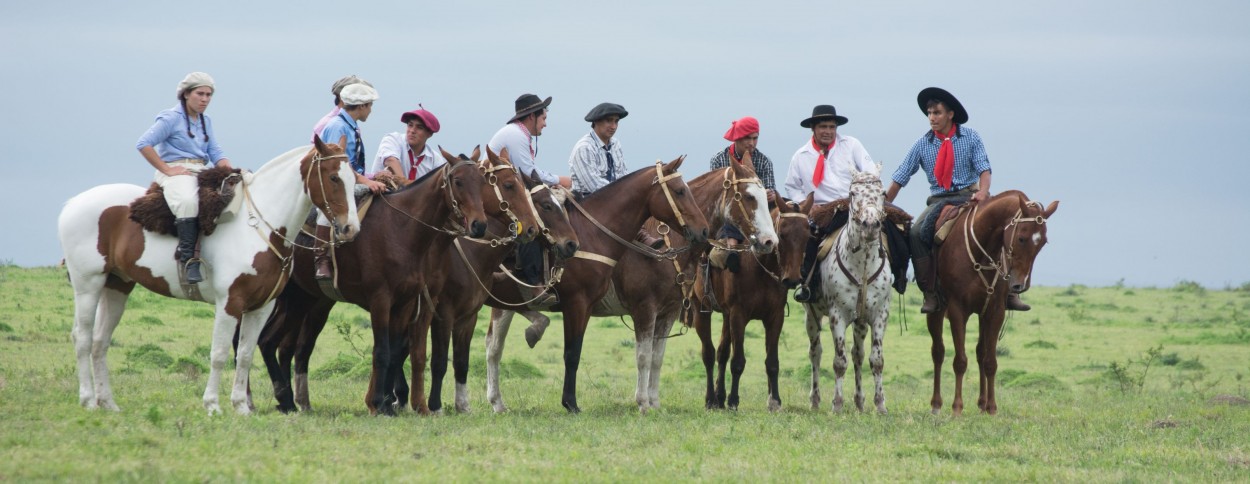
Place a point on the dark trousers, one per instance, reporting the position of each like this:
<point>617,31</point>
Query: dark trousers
<point>896,242</point>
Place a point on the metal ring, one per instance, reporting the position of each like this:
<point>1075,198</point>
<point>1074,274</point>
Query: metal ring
<point>491,179</point>
<point>737,196</point>
<point>503,206</point>
<point>727,184</point>
<point>663,229</point>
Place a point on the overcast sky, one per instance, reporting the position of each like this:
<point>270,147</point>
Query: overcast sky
<point>1131,113</point>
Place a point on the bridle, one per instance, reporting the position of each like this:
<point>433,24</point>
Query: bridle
<point>457,228</point>
<point>663,228</point>
<point>861,304</point>
<point>1002,264</point>
<point>777,252</point>
<point>728,201</point>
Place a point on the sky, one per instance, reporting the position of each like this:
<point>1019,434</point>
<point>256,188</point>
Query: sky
<point>1133,114</point>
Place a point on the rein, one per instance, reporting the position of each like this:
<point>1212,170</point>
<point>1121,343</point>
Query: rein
<point>670,253</point>
<point>777,251</point>
<point>457,229</point>
<point>1001,266</point>
<point>731,181</point>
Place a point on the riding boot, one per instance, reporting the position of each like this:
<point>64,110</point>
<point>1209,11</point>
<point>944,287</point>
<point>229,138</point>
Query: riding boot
<point>649,241</point>
<point>808,282</point>
<point>321,254</point>
<point>188,235</point>
<point>1015,304</point>
<point>531,268</point>
<point>724,259</point>
<point>926,278</point>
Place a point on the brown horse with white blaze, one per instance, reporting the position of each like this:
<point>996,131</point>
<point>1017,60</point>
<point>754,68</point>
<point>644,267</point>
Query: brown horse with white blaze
<point>989,254</point>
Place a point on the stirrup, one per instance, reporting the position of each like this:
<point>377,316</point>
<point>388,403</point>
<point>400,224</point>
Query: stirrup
<point>803,294</point>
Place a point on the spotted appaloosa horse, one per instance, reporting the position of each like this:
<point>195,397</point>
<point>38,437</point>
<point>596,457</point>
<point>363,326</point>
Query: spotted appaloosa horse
<point>619,208</point>
<point>989,254</point>
<point>246,261</point>
<point>757,291</point>
<point>856,289</point>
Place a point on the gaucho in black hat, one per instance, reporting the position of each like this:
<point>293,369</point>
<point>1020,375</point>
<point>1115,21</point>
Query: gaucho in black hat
<point>823,167</point>
<point>520,137</point>
<point>954,160</point>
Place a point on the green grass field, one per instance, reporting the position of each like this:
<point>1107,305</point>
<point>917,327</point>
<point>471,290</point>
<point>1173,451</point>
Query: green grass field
<point>1102,384</point>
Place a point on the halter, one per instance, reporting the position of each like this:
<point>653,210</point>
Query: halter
<point>1001,266</point>
<point>670,253</point>
<point>514,228</point>
<point>731,182</point>
<point>777,251</point>
<point>315,165</point>
<point>456,229</point>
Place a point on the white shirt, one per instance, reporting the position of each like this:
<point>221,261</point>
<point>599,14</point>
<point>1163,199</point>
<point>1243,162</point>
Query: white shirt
<point>396,144</point>
<point>847,153</point>
<point>520,151</point>
<point>588,163</point>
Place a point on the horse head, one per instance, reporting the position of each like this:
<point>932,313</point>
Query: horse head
<point>330,184</point>
<point>462,183</point>
<point>508,191</point>
<point>867,201</point>
<point>672,203</point>
<point>1023,238</point>
<point>793,232</point>
<point>746,205</point>
<point>556,229</point>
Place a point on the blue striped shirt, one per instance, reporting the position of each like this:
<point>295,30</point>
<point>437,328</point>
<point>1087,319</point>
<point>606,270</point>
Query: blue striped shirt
<point>168,136</point>
<point>970,160</point>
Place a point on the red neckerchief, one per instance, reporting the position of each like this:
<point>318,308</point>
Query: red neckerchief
<point>944,168</point>
<point>818,174</point>
<point>529,138</point>
<point>412,164</point>
<point>734,156</point>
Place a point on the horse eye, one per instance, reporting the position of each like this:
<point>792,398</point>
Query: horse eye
<point>548,207</point>
<point>509,185</point>
<point>336,179</point>
<point>681,192</point>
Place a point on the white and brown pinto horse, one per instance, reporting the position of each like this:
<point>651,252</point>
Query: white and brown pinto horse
<point>246,261</point>
<point>855,290</point>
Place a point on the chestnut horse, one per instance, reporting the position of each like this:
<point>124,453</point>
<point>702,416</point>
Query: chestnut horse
<point>989,254</point>
<point>757,291</point>
<point>469,284</point>
<point>380,273</point>
<point>621,207</point>
<point>247,260</point>
<point>654,290</point>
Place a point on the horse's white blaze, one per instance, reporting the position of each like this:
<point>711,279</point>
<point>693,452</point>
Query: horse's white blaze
<point>762,219</point>
<point>1037,238</point>
<point>227,254</point>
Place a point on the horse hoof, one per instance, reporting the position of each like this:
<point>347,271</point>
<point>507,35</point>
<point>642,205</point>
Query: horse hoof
<point>532,336</point>
<point>242,409</point>
<point>109,405</point>
<point>774,406</point>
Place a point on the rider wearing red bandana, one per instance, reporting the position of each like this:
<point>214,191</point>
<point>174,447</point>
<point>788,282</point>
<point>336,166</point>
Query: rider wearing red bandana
<point>954,160</point>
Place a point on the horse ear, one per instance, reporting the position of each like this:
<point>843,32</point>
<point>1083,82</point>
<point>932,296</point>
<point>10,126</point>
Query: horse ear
<point>477,152</point>
<point>534,176</point>
<point>447,156</point>
<point>320,145</point>
<point>504,157</point>
<point>528,180</point>
<point>1050,210</point>
<point>746,160</point>
<point>806,206</point>
<point>674,165</point>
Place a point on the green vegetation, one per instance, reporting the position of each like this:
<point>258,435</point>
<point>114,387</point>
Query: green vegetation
<point>1095,384</point>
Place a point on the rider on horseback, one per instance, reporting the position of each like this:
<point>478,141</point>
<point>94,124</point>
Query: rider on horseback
<point>954,160</point>
<point>172,146</point>
<point>745,134</point>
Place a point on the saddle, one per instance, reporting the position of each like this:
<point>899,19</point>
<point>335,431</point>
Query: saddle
<point>823,214</point>
<point>946,222</point>
<point>216,192</point>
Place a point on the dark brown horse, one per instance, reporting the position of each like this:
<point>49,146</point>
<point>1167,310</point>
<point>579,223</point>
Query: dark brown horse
<point>619,208</point>
<point>653,291</point>
<point>988,254</point>
<point>469,284</point>
<point>757,291</point>
<point>378,271</point>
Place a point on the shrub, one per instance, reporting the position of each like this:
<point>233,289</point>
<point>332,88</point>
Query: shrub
<point>1189,286</point>
<point>1170,359</point>
<point>188,366</point>
<point>5,328</point>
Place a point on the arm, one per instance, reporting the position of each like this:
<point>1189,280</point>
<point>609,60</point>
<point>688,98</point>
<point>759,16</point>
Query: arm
<point>215,153</point>
<point>983,192</point>
<point>392,164</point>
<point>794,179</point>
<point>892,192</point>
<point>981,162</point>
<point>156,134</point>
<point>581,164</point>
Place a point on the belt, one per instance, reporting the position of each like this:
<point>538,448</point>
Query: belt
<point>191,161</point>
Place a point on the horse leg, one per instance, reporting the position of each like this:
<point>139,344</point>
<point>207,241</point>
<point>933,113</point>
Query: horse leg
<point>277,342</point>
<point>772,335</point>
<point>420,341</point>
<point>877,357</point>
<point>538,326</point>
<point>663,325</point>
<point>937,350</point>
<point>644,338</point>
<point>702,323</point>
<point>959,324</point>
<point>576,316</point>
<point>313,323</point>
<point>249,331</point>
<point>86,312</point>
<point>108,314</point>
<point>496,335</point>
<point>223,335</point>
<point>379,384</point>
<point>814,351</point>
<point>739,362</point>
<point>989,364</point>
<point>857,355</point>
<point>440,336</point>
<point>722,359</point>
<point>837,323</point>
<point>462,337</point>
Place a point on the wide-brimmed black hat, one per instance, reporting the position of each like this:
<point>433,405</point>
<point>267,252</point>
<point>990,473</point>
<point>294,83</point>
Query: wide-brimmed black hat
<point>961,114</point>
<point>529,103</point>
<point>823,112</point>
<point>604,110</point>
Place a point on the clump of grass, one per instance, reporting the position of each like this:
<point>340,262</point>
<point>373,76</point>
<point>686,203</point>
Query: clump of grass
<point>1170,359</point>
<point>1188,286</point>
<point>5,328</point>
<point>1003,351</point>
<point>341,365</point>
<point>1042,344</point>
<point>1191,365</point>
<point>188,366</point>
<point>508,369</point>
<point>627,343</point>
<point>149,320</point>
<point>199,312</point>
<point>1130,376</point>
<point>148,356</point>
<point>1035,381</point>
<point>1073,290</point>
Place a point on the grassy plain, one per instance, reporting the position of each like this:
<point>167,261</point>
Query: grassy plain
<point>1101,384</point>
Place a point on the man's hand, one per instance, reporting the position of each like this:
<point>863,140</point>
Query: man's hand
<point>772,196</point>
<point>376,187</point>
<point>979,196</point>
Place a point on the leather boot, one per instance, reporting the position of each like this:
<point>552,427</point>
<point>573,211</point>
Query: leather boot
<point>649,241</point>
<point>724,259</point>
<point>809,282</point>
<point>926,278</point>
<point>188,235</point>
<point>1015,304</point>
<point>321,254</point>
<point>539,303</point>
